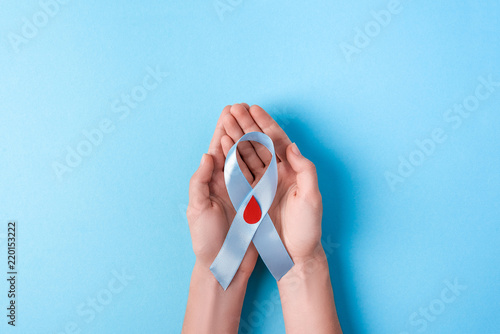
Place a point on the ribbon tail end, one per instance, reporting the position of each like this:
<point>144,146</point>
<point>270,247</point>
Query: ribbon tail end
<point>224,283</point>
<point>279,273</point>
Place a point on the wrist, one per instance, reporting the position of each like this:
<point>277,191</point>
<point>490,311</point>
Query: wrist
<point>210,309</point>
<point>308,283</point>
<point>315,253</point>
<point>306,267</point>
<point>202,273</point>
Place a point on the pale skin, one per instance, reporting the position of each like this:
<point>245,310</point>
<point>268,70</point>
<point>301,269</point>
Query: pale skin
<point>305,291</point>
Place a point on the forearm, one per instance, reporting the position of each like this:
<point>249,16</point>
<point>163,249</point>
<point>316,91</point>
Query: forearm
<point>307,297</point>
<point>210,309</point>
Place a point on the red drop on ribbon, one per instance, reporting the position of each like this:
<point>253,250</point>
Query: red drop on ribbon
<point>252,212</point>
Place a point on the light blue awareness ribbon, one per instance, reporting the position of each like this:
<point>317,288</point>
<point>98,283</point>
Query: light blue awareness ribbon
<point>263,233</point>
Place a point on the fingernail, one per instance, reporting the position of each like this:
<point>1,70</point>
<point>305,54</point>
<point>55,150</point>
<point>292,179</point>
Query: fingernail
<point>295,149</point>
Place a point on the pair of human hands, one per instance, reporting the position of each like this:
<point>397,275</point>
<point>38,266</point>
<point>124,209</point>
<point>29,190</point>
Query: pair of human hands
<point>297,207</point>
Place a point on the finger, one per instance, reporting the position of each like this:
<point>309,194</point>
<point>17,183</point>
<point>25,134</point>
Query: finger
<point>247,107</point>
<point>307,178</point>
<point>199,192</point>
<point>272,129</point>
<point>247,124</point>
<point>215,148</point>
<point>245,148</point>
<point>227,143</point>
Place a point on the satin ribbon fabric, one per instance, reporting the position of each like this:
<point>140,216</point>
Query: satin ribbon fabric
<point>262,232</point>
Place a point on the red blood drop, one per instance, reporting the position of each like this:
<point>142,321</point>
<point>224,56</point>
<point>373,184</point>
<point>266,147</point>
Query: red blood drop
<point>252,212</point>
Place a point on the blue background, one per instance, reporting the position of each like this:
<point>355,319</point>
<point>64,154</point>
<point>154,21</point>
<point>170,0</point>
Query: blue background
<point>123,206</point>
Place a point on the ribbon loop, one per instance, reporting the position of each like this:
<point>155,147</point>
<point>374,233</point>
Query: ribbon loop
<point>247,225</point>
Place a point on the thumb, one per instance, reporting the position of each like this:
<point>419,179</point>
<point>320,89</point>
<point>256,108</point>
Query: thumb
<point>199,191</point>
<point>307,179</point>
